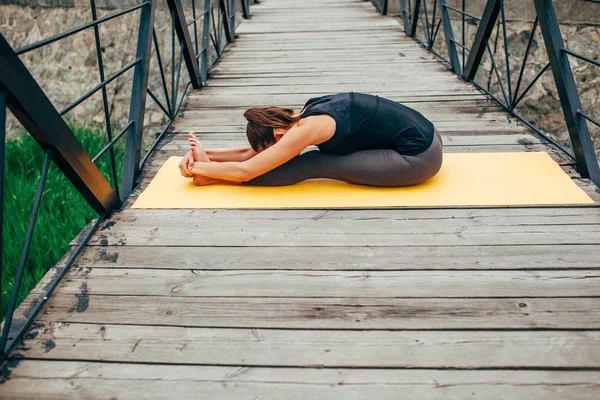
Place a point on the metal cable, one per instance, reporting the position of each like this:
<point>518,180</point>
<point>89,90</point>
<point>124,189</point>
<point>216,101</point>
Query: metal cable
<point>104,97</point>
<point>19,277</point>
<point>2,144</point>
<point>162,73</point>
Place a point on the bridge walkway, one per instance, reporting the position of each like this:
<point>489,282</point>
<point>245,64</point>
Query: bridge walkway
<point>499,302</point>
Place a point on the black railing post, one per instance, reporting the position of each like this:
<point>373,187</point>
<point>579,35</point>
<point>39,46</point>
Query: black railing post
<point>30,105</point>
<point>405,16</point>
<point>225,19</point>
<point>488,20</point>
<point>453,55</point>
<point>205,37</point>
<point>232,8</point>
<point>414,18</point>
<point>383,6</point>
<point>187,46</point>
<point>246,9</point>
<point>2,152</point>
<point>583,147</point>
<point>137,105</point>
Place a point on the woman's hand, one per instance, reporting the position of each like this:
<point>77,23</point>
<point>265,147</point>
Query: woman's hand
<point>186,164</point>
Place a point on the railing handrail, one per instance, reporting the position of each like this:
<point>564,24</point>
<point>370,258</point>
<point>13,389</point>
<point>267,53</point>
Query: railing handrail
<point>25,98</point>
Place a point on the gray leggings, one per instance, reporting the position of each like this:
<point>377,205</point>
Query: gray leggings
<point>377,167</point>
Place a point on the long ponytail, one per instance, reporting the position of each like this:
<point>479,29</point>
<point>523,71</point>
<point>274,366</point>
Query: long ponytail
<point>262,121</point>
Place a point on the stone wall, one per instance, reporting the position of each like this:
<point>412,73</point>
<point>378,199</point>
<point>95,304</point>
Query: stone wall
<point>68,68</point>
<point>571,11</point>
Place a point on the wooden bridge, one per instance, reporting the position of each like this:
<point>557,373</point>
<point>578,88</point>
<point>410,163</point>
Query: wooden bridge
<point>419,303</point>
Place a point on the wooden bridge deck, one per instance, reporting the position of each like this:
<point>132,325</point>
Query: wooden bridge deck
<point>494,303</point>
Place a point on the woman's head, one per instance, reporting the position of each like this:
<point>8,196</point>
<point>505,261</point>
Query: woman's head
<point>262,123</point>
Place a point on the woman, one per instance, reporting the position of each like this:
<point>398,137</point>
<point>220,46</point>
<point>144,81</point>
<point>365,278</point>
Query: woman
<point>363,139</point>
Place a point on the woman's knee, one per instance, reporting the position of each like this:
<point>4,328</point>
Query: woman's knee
<point>422,167</point>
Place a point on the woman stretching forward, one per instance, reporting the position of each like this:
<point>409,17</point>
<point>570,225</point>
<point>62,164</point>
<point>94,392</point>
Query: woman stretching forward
<point>362,138</point>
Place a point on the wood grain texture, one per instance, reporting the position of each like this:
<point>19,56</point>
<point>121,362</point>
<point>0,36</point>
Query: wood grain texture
<point>327,313</point>
<point>89,380</point>
<point>311,348</point>
<point>343,258</point>
<point>300,283</point>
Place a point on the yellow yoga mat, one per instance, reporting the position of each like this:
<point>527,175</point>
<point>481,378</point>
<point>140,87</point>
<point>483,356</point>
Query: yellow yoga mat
<point>466,179</point>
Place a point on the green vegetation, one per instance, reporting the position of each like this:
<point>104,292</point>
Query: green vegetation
<point>63,211</point>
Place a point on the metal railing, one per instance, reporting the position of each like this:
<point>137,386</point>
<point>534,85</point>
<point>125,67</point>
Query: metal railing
<point>465,60</point>
<point>29,104</point>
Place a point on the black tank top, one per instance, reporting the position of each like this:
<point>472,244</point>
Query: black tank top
<point>364,121</point>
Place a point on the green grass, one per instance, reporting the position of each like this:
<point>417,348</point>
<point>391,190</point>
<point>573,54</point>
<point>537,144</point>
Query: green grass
<point>63,211</point>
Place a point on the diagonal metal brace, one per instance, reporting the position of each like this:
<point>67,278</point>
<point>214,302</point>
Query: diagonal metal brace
<point>490,15</point>
<point>189,55</point>
<point>31,106</point>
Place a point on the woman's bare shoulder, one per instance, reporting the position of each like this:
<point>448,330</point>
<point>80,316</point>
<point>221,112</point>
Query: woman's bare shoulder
<point>322,126</point>
<point>322,120</point>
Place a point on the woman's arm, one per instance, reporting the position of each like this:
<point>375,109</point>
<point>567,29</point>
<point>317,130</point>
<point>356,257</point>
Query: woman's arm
<point>288,147</point>
<point>230,154</point>
<point>216,155</point>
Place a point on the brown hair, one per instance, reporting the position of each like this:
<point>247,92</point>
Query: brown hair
<point>262,120</point>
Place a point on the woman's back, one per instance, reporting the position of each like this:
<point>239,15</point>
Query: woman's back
<point>365,121</point>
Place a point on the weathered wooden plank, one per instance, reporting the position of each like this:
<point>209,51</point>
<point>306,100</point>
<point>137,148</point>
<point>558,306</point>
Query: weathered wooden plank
<point>514,214</point>
<point>330,60</point>
<point>138,236</point>
<point>315,90</point>
<point>344,61</point>
<point>342,258</point>
<point>300,283</point>
<point>328,56</point>
<point>246,50</point>
<point>235,124</point>
<point>286,5</point>
<point>321,79</point>
<point>263,28</point>
<point>274,48</point>
<point>451,112</point>
<point>272,347</point>
<point>299,101</point>
<point>390,70</point>
<point>234,116</point>
<point>351,67</point>
<point>326,313</point>
<point>360,220</point>
<point>325,73</point>
<point>445,127</point>
<point>90,380</point>
<point>341,233</point>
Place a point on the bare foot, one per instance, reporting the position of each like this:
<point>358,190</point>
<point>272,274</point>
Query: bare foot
<point>200,180</point>
<point>197,149</point>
